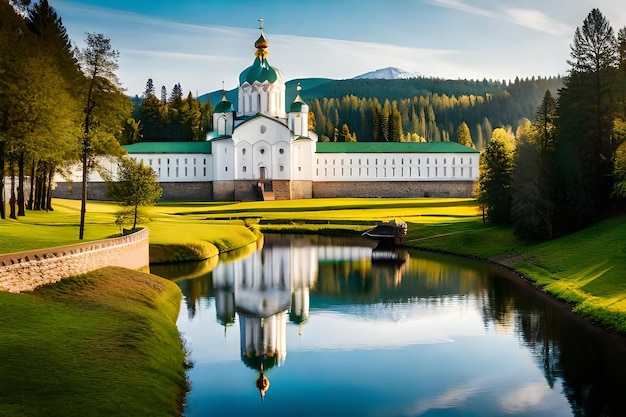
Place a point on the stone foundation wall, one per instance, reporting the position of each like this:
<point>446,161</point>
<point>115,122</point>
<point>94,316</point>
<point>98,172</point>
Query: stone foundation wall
<point>172,191</point>
<point>282,189</point>
<point>25,271</point>
<point>96,191</point>
<point>187,191</point>
<point>301,190</point>
<point>224,190</point>
<point>246,190</point>
<point>393,189</point>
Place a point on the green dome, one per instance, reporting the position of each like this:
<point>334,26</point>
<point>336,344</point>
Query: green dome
<point>260,71</point>
<point>224,107</point>
<point>296,107</point>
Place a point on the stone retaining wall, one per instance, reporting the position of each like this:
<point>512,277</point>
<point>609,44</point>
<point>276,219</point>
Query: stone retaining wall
<point>25,271</point>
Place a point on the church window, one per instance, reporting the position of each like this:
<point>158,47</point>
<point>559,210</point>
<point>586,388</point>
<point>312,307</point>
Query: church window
<point>176,171</point>
<point>393,171</point>
<point>461,162</point>
<point>281,151</point>
<point>204,161</point>
<point>359,171</point>
<point>177,161</point>
<point>225,150</point>
<point>461,171</point>
<point>168,161</point>
<point>444,160</point>
<point>281,168</point>
<point>185,161</point>
<point>243,151</point>
<point>168,171</point>
<point>150,162</point>
<point>263,129</point>
<point>195,172</point>
<point>436,171</point>
<point>300,169</point>
<point>204,171</point>
<point>159,161</point>
<point>342,162</point>
<point>262,151</point>
<point>428,160</point>
<point>159,171</point>
<point>444,171</point>
<point>185,171</point>
<point>244,169</point>
<point>350,171</point>
<point>226,169</point>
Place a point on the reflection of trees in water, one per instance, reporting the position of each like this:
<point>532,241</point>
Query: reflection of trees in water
<point>589,364</point>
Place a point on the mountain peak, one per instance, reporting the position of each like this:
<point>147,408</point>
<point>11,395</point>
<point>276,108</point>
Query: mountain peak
<point>389,73</point>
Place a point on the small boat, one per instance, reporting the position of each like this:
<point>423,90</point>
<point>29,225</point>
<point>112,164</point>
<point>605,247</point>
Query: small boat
<point>390,232</point>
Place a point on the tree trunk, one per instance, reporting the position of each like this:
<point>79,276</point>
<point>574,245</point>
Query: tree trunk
<point>135,216</point>
<point>12,199</point>
<point>31,195</point>
<point>21,211</point>
<point>83,199</point>
<point>48,193</point>
<point>39,188</point>
<point>2,203</point>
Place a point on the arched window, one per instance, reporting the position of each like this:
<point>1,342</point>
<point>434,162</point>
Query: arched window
<point>244,169</point>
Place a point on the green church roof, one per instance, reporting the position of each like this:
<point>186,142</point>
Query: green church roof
<point>392,147</point>
<point>296,107</point>
<point>169,147</point>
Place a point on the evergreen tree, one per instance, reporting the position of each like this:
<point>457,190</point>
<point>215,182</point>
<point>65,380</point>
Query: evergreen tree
<point>495,179</point>
<point>584,146</point>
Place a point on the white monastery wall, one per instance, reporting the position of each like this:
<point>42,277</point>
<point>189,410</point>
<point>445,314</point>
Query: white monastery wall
<point>395,167</point>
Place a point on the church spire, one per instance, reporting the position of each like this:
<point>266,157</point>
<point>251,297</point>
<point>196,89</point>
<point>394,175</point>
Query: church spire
<point>261,44</point>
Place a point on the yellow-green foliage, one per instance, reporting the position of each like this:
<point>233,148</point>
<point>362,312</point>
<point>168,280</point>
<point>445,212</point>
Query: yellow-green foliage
<point>104,343</point>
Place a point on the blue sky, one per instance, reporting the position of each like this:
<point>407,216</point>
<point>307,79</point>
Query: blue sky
<point>202,43</point>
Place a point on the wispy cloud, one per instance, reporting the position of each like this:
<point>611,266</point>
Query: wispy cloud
<point>529,18</point>
<point>534,19</point>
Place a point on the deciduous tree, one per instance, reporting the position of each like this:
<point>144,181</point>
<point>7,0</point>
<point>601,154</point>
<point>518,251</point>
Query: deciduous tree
<point>135,185</point>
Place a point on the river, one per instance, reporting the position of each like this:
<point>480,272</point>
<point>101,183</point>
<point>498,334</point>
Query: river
<point>314,326</point>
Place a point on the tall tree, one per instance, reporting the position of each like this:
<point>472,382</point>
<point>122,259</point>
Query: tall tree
<point>584,145</point>
<point>103,100</point>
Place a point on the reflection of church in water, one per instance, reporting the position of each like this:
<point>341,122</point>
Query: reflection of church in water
<point>269,288</point>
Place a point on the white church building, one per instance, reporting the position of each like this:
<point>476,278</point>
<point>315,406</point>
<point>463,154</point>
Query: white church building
<point>263,150</point>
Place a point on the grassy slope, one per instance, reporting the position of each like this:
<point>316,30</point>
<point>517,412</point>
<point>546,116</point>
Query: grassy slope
<point>104,343</point>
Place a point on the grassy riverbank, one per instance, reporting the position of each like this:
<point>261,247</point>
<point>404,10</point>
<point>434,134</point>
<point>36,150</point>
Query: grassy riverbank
<point>104,343</point>
<point>584,268</point>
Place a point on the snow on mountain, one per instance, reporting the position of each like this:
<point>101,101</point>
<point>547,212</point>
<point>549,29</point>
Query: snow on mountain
<point>389,73</point>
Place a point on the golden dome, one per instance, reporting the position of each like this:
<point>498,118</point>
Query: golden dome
<point>261,43</point>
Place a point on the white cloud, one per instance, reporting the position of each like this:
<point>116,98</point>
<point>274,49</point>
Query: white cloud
<point>537,20</point>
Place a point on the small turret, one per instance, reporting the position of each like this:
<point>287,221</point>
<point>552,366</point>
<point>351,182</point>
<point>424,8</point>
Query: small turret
<point>298,120</point>
<point>223,116</point>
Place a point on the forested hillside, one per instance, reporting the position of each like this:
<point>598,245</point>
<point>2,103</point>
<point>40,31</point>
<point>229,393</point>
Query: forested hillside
<point>423,109</point>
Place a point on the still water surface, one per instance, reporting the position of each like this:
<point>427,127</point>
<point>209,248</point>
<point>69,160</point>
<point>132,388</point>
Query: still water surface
<point>311,326</point>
